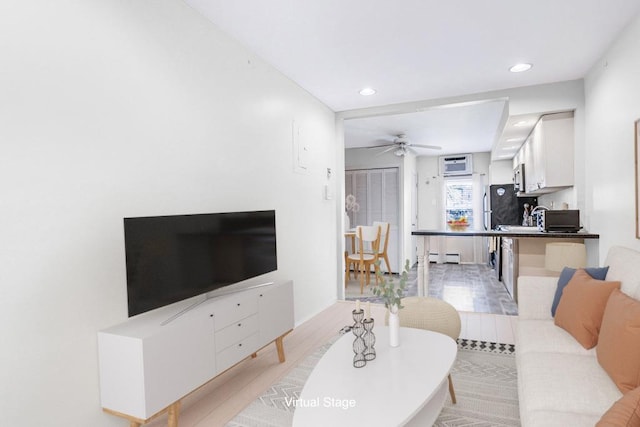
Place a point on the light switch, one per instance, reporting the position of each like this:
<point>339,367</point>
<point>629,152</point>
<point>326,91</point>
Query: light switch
<point>328,193</point>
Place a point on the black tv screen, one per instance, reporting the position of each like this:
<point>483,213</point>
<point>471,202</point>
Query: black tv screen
<point>172,258</point>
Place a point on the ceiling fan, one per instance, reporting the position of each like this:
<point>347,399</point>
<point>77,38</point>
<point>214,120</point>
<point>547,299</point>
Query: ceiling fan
<point>401,146</point>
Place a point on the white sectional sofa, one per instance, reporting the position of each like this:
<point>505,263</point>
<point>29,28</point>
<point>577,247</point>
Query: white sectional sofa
<point>559,382</point>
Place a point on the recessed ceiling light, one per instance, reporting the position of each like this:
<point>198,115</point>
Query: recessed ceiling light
<point>518,68</point>
<point>367,91</point>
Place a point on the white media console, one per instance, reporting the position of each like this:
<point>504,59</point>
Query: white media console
<point>148,365</point>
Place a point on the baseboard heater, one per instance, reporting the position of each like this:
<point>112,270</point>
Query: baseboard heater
<point>452,258</point>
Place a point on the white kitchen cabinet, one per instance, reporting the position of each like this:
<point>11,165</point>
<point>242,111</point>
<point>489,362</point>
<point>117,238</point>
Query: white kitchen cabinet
<point>548,154</point>
<point>529,163</point>
<point>554,152</point>
<point>147,365</point>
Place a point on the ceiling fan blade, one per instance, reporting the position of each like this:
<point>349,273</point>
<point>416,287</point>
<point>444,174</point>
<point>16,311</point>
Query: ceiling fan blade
<point>389,148</point>
<point>431,147</point>
<point>380,146</point>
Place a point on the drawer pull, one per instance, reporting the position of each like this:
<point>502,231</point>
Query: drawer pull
<point>240,345</point>
<point>238,304</point>
<point>239,324</point>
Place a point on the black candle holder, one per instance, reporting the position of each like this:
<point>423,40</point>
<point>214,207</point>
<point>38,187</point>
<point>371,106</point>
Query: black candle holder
<point>369,340</point>
<point>358,330</point>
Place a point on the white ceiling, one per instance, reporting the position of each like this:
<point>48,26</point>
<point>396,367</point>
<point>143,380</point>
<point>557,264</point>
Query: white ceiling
<point>447,127</point>
<point>412,50</point>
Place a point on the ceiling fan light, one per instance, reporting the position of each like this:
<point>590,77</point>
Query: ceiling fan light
<point>401,151</point>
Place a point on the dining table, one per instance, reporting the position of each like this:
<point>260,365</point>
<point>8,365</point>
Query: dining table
<point>351,234</point>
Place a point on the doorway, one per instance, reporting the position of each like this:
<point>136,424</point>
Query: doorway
<point>377,193</point>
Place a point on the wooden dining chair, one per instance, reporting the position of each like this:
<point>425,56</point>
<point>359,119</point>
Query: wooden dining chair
<point>385,228</point>
<point>368,238</point>
<point>351,235</point>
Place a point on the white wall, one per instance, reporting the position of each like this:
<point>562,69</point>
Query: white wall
<point>612,106</point>
<point>409,251</point>
<point>364,158</point>
<point>117,108</point>
<point>430,197</point>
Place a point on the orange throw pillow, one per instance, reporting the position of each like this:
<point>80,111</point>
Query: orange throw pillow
<point>625,412</point>
<point>618,348</point>
<point>582,306</point>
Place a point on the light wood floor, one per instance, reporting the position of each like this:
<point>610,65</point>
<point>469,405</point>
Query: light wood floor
<point>221,399</point>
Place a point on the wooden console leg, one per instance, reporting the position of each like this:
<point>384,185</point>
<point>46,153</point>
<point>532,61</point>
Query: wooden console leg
<point>134,424</point>
<point>280,347</point>
<point>174,412</point>
<point>254,355</point>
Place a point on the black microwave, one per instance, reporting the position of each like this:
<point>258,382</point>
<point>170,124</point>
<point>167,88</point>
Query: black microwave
<point>566,221</point>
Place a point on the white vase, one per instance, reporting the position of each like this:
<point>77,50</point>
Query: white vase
<point>394,327</point>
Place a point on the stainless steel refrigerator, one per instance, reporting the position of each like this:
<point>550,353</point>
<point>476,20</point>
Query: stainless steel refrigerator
<point>502,206</point>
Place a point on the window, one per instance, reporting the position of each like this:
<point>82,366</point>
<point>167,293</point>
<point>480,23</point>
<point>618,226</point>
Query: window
<point>459,200</point>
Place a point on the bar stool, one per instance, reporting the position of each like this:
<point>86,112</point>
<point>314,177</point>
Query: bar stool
<point>559,255</point>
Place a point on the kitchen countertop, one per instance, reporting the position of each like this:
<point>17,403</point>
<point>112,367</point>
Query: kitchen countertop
<point>515,234</point>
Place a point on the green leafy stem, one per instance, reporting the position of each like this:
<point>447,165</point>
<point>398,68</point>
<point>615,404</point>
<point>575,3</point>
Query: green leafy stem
<point>389,290</point>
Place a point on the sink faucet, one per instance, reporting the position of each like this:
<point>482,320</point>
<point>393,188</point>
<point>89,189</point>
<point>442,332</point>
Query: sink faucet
<point>536,208</point>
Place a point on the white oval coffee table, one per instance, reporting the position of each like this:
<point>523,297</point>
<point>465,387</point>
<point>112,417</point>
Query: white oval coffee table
<point>405,385</point>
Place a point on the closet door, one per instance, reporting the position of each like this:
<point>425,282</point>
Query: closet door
<point>377,193</point>
<point>361,191</point>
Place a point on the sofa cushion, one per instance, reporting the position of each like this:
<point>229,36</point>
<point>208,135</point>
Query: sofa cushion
<point>557,418</point>
<point>544,336</point>
<point>535,295</point>
<point>582,306</point>
<point>599,273</point>
<point>624,413</point>
<point>618,348</point>
<point>564,383</point>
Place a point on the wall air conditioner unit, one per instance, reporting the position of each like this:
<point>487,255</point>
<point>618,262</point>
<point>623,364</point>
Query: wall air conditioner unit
<point>459,164</point>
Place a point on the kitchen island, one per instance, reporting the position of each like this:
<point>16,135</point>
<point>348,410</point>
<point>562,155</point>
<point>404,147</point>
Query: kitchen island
<point>530,248</point>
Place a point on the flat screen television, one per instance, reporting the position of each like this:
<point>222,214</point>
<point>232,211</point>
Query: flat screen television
<point>172,258</point>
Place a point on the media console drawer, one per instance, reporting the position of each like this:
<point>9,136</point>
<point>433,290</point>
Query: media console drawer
<point>238,351</point>
<point>235,332</point>
<point>235,308</point>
